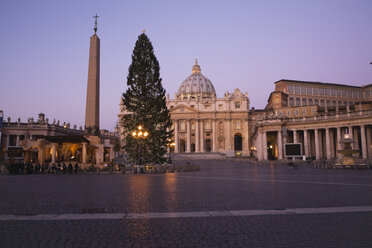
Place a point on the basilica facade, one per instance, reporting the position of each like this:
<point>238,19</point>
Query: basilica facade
<point>204,123</point>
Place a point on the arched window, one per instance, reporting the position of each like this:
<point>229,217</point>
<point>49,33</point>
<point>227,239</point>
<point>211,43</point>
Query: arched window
<point>316,102</point>
<point>333,103</point>
<point>298,102</point>
<point>291,101</point>
<point>310,101</point>
<point>322,103</point>
<point>304,102</point>
<point>328,103</point>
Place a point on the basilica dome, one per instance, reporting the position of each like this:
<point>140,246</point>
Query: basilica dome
<point>196,85</point>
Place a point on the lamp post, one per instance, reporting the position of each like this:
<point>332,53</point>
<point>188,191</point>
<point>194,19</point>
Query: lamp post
<point>140,134</point>
<point>170,146</point>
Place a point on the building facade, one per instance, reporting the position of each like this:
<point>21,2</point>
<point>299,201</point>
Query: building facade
<point>45,142</point>
<point>313,114</point>
<point>204,123</point>
<point>316,115</point>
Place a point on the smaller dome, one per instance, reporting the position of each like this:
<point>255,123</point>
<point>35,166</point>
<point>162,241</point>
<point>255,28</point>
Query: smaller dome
<point>196,85</point>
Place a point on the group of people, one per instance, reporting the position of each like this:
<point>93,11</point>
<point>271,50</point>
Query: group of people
<point>29,168</point>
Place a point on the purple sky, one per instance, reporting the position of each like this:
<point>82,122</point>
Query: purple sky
<point>44,48</point>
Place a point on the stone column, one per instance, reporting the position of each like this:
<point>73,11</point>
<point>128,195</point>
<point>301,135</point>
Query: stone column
<point>328,144</point>
<point>356,139</point>
<point>369,151</point>
<point>364,143</point>
<point>176,141</point>
<point>197,138</point>
<point>214,133</point>
<point>7,141</point>
<point>306,144</point>
<point>338,142</point>
<point>351,134</point>
<point>17,141</point>
<point>188,139</point>
<point>228,135</point>
<point>264,145</point>
<point>201,135</point>
<point>280,145</point>
<point>317,152</point>
<point>246,147</point>
<point>54,152</point>
<point>41,153</point>
<point>294,136</point>
<point>84,153</point>
<point>258,145</point>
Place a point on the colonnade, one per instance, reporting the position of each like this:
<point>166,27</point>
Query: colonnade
<point>7,140</point>
<point>211,135</point>
<point>317,143</point>
<point>200,145</point>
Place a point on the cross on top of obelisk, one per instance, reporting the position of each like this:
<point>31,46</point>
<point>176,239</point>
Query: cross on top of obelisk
<point>95,23</point>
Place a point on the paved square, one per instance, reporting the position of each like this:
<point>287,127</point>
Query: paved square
<point>226,204</point>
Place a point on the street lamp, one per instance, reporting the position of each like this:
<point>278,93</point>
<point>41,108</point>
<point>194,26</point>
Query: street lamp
<point>170,146</point>
<point>140,134</point>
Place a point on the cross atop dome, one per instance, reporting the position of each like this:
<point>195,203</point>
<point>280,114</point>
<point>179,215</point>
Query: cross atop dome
<point>196,67</point>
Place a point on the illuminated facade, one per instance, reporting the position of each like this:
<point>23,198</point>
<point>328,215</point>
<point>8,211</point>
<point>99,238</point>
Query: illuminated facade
<point>317,115</point>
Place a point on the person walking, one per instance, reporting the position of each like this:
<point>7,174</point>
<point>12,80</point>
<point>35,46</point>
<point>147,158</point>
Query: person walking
<point>64,168</point>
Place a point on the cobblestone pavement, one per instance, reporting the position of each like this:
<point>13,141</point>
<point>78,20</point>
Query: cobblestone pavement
<point>219,186</point>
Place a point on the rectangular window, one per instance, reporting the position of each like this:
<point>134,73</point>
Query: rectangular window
<point>207,106</point>
<point>339,93</point>
<point>360,94</point>
<point>193,125</point>
<point>182,126</point>
<point>321,91</point>
<point>309,90</point>
<point>297,89</point>
<point>237,105</point>
<point>207,124</point>
<point>290,89</point>
<point>333,92</point>
<point>238,125</point>
<point>220,106</point>
<point>344,93</point>
<point>326,92</point>
<point>303,90</point>
<point>316,91</point>
<point>350,94</point>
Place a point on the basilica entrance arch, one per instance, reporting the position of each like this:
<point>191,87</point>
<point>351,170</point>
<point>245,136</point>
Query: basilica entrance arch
<point>238,142</point>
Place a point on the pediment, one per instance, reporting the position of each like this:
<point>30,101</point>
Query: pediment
<point>183,109</point>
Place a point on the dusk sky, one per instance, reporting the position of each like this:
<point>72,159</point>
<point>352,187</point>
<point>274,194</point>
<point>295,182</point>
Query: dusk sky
<point>44,48</point>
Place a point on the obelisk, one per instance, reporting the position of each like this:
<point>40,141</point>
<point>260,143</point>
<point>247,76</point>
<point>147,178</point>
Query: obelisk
<point>92,104</point>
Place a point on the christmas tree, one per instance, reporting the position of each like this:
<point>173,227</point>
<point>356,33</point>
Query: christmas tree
<point>144,105</point>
